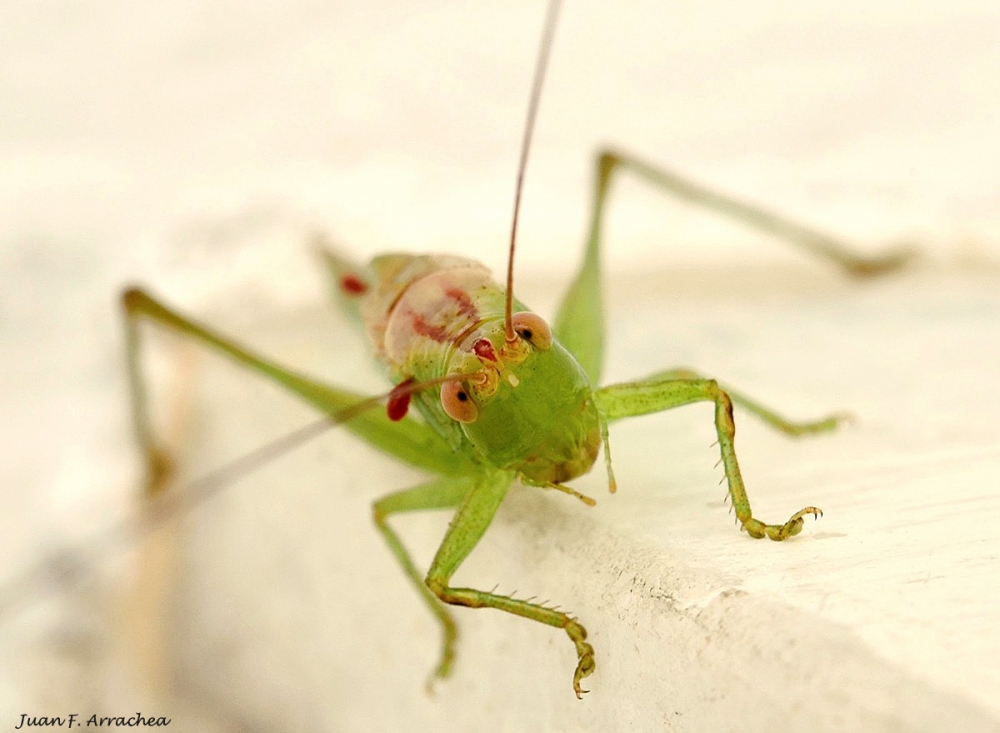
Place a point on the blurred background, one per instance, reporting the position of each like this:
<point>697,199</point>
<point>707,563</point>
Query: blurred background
<point>195,147</point>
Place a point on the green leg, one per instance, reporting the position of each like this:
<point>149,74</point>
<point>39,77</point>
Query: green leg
<point>407,440</point>
<point>768,416</point>
<point>579,323</point>
<point>439,494</point>
<point>468,525</point>
<point>656,395</point>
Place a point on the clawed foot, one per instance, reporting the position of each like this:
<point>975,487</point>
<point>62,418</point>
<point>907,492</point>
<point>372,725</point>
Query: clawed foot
<point>159,471</point>
<point>824,425</point>
<point>443,669</point>
<point>777,532</point>
<point>885,263</point>
<point>587,664</point>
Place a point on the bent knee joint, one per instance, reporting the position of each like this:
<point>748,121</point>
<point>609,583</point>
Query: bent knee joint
<point>607,161</point>
<point>436,586</point>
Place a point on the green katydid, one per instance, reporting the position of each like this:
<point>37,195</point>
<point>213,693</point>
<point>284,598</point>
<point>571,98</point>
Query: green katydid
<point>501,396</point>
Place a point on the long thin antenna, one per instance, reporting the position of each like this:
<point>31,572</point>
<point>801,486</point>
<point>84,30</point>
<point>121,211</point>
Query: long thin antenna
<point>71,561</point>
<point>541,63</point>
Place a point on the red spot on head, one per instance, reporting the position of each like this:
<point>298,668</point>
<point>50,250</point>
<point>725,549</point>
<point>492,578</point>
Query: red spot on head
<point>353,285</point>
<point>484,350</point>
<point>399,400</point>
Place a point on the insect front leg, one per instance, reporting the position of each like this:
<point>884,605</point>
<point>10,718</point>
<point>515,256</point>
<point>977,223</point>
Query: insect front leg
<point>765,414</point>
<point>656,395</point>
<point>466,528</point>
<point>439,494</point>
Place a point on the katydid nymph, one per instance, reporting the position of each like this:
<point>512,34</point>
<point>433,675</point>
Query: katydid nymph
<point>497,394</point>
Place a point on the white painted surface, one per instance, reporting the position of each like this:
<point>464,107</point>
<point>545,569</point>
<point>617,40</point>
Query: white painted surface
<point>192,147</point>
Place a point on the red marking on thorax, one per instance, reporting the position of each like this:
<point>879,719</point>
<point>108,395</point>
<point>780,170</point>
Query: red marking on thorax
<point>465,305</point>
<point>399,400</point>
<point>430,330</point>
<point>353,285</point>
<point>437,307</point>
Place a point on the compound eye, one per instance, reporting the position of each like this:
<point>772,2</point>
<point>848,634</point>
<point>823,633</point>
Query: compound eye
<point>532,329</point>
<point>457,402</point>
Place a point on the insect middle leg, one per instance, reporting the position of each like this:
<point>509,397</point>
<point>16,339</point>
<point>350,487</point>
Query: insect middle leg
<point>658,394</point>
<point>441,493</point>
<point>467,527</point>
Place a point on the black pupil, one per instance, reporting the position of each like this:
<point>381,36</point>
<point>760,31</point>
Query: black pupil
<point>526,334</point>
<point>462,397</point>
